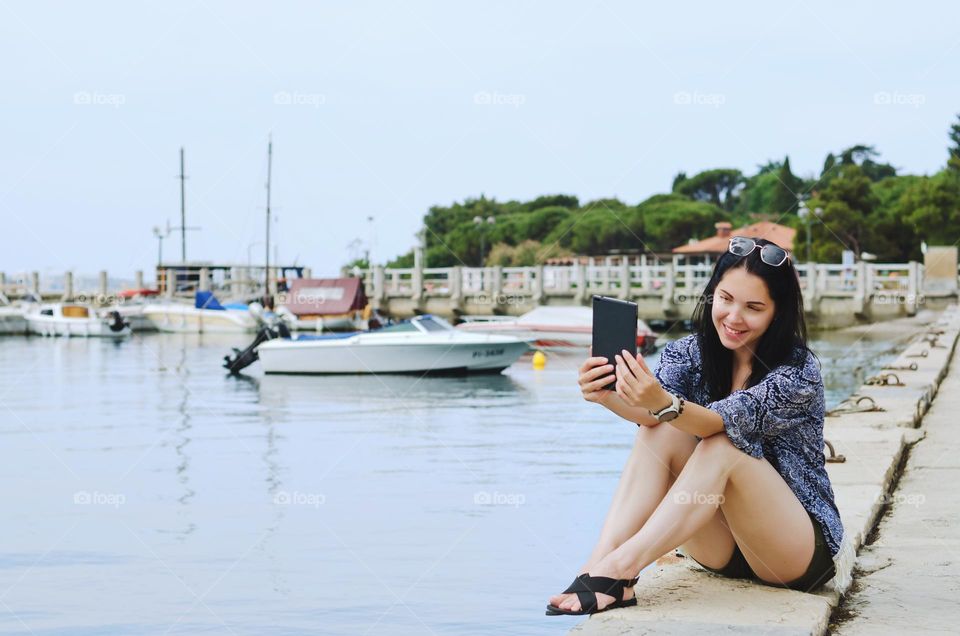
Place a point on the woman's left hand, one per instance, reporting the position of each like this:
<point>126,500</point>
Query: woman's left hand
<point>636,384</point>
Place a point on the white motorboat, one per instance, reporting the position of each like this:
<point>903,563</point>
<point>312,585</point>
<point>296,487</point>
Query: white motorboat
<point>206,315</point>
<point>130,304</point>
<point>325,304</point>
<point>425,344</point>
<point>552,328</point>
<point>73,319</point>
<point>12,320</point>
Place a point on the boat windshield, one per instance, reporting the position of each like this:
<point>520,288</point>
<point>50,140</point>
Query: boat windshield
<point>432,323</point>
<point>400,326</point>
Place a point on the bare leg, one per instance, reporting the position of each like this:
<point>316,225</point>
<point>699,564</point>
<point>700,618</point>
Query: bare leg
<point>659,454</point>
<point>769,522</point>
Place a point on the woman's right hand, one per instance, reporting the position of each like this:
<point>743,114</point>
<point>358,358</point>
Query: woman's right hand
<point>596,373</point>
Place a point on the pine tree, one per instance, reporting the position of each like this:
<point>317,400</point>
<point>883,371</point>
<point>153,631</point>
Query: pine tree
<point>953,163</point>
<point>785,194</point>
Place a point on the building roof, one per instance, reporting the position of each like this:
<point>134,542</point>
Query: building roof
<point>779,234</point>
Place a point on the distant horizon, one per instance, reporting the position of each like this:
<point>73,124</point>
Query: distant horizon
<point>384,111</point>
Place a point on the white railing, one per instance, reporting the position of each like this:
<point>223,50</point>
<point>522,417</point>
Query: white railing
<point>684,281</point>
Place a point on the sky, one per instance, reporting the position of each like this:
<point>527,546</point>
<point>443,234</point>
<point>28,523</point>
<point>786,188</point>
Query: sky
<point>383,109</point>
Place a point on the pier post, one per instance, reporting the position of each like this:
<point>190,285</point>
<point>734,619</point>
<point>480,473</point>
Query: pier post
<point>67,287</point>
<point>204,283</point>
<point>644,273</point>
<point>666,301</point>
<point>913,287</point>
<point>455,287</point>
<point>35,283</point>
<point>138,279</point>
<point>273,281</point>
<point>455,284</point>
<point>102,287</point>
<point>417,276</point>
<point>379,290</point>
<point>537,285</point>
<point>496,274</point>
<point>811,293</point>
<point>860,295</point>
<point>624,293</point>
<point>580,296</point>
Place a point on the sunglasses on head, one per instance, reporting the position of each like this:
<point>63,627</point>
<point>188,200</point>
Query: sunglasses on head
<point>770,254</point>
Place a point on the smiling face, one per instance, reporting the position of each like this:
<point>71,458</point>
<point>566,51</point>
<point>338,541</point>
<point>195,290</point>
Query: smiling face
<point>742,310</point>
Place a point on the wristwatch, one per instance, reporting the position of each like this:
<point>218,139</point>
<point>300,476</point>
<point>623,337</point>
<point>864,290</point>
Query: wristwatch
<point>671,411</point>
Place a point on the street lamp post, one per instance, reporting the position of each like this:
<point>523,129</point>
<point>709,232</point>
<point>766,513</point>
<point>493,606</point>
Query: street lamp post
<point>370,241</point>
<point>807,217</point>
<point>482,223</point>
<point>160,236</point>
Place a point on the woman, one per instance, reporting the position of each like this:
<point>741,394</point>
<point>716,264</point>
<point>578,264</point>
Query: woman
<point>728,460</point>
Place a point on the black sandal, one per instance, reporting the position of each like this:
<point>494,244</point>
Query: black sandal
<point>587,587</point>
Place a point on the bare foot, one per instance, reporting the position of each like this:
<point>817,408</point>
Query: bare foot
<point>557,599</point>
<point>609,566</point>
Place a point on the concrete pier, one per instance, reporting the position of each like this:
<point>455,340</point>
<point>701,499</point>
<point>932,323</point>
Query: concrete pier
<point>676,596</point>
<point>908,578</point>
<point>834,295</point>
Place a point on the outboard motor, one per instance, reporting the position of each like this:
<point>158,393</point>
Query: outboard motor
<point>118,323</point>
<point>243,359</point>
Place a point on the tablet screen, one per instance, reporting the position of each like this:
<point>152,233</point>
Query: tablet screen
<point>614,328</point>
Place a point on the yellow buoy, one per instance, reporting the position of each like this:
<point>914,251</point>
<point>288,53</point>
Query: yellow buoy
<point>539,360</point>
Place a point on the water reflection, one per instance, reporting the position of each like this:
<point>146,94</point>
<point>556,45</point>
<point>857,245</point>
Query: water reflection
<point>362,391</point>
<point>182,372</point>
<point>219,473</point>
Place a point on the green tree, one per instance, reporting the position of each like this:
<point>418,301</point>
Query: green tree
<point>848,203</point>
<point>863,156</point>
<point>895,238</point>
<point>549,200</point>
<point>783,200</point>
<point>932,207</point>
<point>720,187</point>
<point>757,195</point>
<point>539,223</point>
<point>953,161</point>
<point>672,220</point>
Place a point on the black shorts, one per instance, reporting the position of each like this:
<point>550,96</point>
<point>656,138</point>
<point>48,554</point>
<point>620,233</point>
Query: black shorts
<point>819,572</point>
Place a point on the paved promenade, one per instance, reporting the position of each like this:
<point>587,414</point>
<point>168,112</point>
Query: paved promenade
<point>907,577</point>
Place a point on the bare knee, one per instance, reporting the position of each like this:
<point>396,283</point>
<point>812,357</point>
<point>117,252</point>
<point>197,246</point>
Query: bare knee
<point>670,445</point>
<point>718,449</point>
<point>716,444</point>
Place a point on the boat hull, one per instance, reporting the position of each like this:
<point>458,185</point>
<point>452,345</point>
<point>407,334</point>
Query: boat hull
<point>319,357</point>
<point>73,327</point>
<point>553,337</point>
<point>174,319</point>
<point>12,321</point>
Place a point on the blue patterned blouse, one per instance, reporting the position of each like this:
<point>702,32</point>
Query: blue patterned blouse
<point>780,419</point>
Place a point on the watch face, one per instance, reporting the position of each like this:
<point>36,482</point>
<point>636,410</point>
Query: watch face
<point>669,415</point>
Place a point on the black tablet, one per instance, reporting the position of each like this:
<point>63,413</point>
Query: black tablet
<point>614,328</point>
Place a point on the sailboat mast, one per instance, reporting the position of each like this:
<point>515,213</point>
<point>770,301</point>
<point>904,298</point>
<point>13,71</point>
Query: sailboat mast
<point>183,212</point>
<point>267,297</point>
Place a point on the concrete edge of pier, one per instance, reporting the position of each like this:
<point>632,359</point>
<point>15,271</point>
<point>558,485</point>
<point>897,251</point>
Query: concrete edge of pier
<point>677,596</point>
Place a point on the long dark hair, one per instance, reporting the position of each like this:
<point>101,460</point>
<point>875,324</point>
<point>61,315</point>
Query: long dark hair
<point>779,343</point>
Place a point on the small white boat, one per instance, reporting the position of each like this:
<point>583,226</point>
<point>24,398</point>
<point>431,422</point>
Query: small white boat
<point>73,319</point>
<point>130,304</point>
<point>425,344</point>
<point>12,320</point>
<point>206,315</point>
<point>325,304</point>
<point>553,328</point>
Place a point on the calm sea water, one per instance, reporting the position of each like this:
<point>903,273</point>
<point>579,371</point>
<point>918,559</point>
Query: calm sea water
<point>145,492</point>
